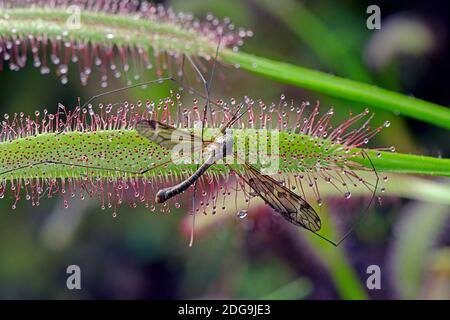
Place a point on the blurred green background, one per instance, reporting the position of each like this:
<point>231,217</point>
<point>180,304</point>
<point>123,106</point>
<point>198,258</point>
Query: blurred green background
<point>141,254</point>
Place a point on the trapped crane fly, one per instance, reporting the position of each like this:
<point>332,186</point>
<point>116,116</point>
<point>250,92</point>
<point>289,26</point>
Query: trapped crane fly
<point>291,206</point>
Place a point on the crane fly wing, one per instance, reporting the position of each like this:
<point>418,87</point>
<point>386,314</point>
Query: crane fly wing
<point>290,205</point>
<point>167,136</point>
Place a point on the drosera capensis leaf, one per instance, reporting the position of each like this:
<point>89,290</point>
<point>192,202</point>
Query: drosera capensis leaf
<point>100,154</point>
<point>120,38</point>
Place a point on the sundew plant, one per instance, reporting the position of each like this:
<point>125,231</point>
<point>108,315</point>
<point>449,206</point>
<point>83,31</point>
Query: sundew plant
<point>91,149</point>
<point>86,158</point>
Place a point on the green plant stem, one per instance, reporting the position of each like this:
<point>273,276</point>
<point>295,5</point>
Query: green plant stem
<point>366,94</point>
<point>407,163</point>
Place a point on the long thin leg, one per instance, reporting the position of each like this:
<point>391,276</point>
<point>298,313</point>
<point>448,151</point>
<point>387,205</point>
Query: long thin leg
<point>191,241</point>
<point>213,69</point>
<point>377,180</point>
<point>205,111</point>
<point>53,162</point>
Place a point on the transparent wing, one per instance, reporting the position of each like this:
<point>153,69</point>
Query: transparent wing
<point>290,205</point>
<point>169,137</point>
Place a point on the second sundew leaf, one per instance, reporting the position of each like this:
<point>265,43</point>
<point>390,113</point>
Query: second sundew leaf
<point>119,38</point>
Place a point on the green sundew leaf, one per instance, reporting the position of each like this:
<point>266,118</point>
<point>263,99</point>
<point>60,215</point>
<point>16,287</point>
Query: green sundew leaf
<point>126,150</point>
<point>103,28</point>
<point>415,237</point>
<point>120,43</point>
